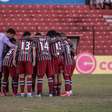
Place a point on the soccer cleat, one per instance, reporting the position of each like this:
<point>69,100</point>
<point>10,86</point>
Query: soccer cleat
<point>71,92</point>
<point>3,94</point>
<point>21,94</point>
<point>38,95</point>
<point>67,93</point>
<point>29,94</point>
<point>33,94</point>
<point>50,95</point>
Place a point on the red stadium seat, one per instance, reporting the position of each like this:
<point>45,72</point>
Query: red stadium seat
<point>70,19</point>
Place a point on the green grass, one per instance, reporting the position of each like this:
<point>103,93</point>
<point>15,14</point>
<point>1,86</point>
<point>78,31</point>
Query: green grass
<point>91,94</point>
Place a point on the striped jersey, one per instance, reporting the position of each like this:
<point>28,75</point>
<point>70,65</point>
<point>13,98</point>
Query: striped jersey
<point>8,58</point>
<point>25,50</point>
<point>67,52</point>
<point>56,46</point>
<point>43,48</point>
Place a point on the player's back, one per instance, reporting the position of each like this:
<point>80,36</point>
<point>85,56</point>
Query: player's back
<point>43,48</point>
<point>7,61</point>
<point>25,46</point>
<point>67,52</point>
<point>56,46</point>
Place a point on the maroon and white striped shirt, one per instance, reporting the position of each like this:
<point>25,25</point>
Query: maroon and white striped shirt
<point>67,53</point>
<point>43,48</point>
<point>25,50</point>
<point>56,46</point>
<point>8,58</point>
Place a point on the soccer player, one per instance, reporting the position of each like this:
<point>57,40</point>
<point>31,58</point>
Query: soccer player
<point>44,65</point>
<point>6,73</point>
<point>37,35</point>
<point>57,50</point>
<point>9,68</point>
<point>68,64</point>
<point>5,40</point>
<point>25,53</point>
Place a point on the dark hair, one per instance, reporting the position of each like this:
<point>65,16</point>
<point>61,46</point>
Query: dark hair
<point>62,34</point>
<point>26,33</point>
<point>58,34</point>
<point>13,40</point>
<point>11,31</point>
<point>51,33</point>
<point>38,34</point>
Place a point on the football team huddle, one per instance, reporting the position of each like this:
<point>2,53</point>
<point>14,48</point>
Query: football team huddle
<point>32,58</point>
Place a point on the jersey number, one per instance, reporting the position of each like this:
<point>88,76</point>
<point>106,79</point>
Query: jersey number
<point>58,46</point>
<point>44,46</point>
<point>10,52</point>
<point>25,45</point>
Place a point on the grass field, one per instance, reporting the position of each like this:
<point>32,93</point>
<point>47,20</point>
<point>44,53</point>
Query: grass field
<point>91,94</point>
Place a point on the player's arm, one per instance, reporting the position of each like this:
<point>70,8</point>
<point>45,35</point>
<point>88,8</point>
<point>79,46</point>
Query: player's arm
<point>7,42</point>
<point>14,56</point>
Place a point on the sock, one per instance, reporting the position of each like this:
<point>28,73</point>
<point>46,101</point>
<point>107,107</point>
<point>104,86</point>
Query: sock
<point>39,85</point>
<point>7,87</point>
<point>67,83</point>
<point>33,82</point>
<point>59,83</point>
<point>58,89</point>
<point>6,78</point>
<point>4,84</point>
<point>15,85</point>
<point>22,84</point>
<point>50,84</point>
<point>70,83</point>
<point>29,84</point>
<point>54,86</point>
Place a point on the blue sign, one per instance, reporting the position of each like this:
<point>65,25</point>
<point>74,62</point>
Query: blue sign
<point>42,1</point>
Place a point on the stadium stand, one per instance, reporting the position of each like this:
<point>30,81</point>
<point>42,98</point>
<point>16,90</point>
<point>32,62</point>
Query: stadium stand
<point>93,26</point>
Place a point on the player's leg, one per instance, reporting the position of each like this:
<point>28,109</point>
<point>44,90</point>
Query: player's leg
<point>50,75</point>
<point>41,67</point>
<point>34,78</point>
<point>15,85</point>
<point>0,81</point>
<point>5,80</point>
<point>29,72</point>
<point>59,83</point>
<point>40,84</point>
<point>22,84</point>
<point>55,85</point>
<point>0,74</point>
<point>72,72</point>
<point>54,64</point>
<point>60,70</point>
<point>29,84</point>
<point>66,75</point>
<point>21,74</point>
<point>14,77</point>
